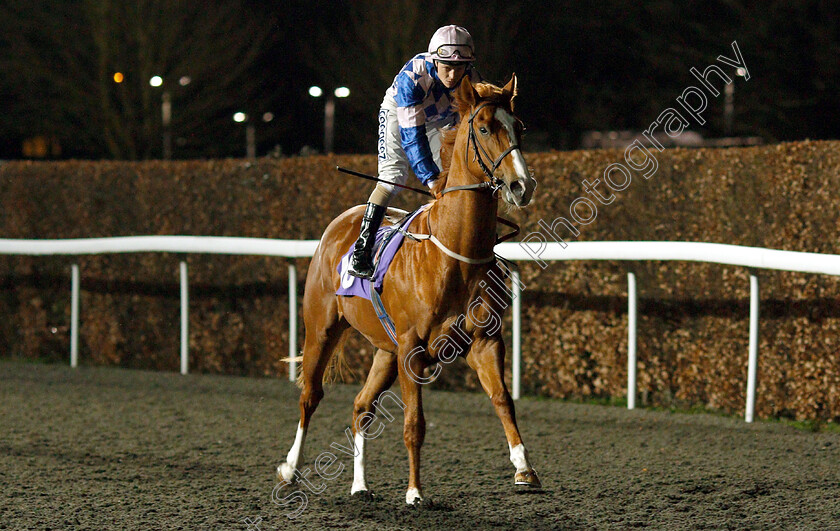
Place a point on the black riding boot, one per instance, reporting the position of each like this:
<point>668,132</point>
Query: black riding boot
<point>361,264</point>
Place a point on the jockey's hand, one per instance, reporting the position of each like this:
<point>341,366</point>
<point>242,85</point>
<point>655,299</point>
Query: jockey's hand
<point>432,184</point>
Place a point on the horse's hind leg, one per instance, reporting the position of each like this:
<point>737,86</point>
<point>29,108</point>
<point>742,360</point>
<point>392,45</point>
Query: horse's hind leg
<point>382,374</point>
<point>324,330</point>
<point>410,367</point>
<point>487,358</point>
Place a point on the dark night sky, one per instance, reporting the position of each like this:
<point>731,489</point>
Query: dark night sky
<point>582,66</point>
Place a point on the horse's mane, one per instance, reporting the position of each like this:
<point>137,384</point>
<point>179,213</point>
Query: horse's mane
<point>486,92</point>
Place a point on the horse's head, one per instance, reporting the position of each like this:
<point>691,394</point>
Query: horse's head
<point>493,135</point>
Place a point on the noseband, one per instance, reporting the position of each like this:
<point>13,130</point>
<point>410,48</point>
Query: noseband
<point>493,184</point>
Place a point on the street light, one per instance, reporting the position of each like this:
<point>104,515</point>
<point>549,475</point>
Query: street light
<point>250,131</point>
<point>166,112</point>
<point>329,113</point>
<point>250,144</point>
<point>729,103</point>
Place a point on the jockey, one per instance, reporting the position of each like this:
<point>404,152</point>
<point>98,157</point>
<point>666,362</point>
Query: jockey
<point>417,106</point>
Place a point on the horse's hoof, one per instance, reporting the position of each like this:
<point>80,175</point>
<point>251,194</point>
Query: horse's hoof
<point>363,496</point>
<point>413,497</point>
<point>419,503</point>
<point>527,480</point>
<point>286,474</point>
<point>282,488</point>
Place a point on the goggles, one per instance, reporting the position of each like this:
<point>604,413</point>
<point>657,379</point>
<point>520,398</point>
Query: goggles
<point>455,51</point>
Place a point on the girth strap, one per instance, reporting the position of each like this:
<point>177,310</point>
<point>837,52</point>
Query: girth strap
<point>382,314</point>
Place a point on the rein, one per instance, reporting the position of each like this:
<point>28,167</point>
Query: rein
<point>493,184</point>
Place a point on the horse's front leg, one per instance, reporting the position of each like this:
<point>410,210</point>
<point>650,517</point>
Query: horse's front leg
<point>487,358</point>
<point>411,365</point>
<point>382,374</point>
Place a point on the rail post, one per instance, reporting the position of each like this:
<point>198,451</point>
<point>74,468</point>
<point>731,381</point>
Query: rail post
<point>185,320</point>
<point>752,364</point>
<point>293,327</point>
<point>631,340</point>
<point>74,316</point>
<point>517,335</point>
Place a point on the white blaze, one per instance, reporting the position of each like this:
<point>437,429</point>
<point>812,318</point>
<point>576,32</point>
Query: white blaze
<point>508,122</point>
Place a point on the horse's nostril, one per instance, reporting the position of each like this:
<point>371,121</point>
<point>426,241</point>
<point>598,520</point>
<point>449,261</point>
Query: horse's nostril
<point>517,188</point>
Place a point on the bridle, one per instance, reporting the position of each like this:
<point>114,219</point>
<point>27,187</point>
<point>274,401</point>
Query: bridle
<point>493,184</point>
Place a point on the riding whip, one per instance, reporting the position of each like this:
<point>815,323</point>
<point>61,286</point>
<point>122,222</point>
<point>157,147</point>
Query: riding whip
<point>376,179</point>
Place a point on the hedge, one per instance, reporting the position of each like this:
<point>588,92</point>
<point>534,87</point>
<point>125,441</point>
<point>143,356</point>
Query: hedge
<point>693,325</point>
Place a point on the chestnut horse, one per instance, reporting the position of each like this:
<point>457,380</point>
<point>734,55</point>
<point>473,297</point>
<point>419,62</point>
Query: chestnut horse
<point>436,290</point>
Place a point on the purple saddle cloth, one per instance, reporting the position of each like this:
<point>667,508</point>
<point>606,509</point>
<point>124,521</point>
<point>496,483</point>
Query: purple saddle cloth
<point>387,243</point>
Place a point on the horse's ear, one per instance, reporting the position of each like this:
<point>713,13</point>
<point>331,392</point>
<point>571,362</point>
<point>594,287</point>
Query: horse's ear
<point>511,88</point>
<point>465,95</point>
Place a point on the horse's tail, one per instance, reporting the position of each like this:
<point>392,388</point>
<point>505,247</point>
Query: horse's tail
<point>296,359</point>
<point>336,370</point>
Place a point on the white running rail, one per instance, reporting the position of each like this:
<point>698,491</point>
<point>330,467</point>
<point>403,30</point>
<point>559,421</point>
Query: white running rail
<point>750,257</point>
<point>169,244</point>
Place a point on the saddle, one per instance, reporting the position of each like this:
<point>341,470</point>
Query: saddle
<point>395,216</point>
<point>388,241</point>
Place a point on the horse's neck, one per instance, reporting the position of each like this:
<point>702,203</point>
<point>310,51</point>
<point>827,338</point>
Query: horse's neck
<point>465,221</point>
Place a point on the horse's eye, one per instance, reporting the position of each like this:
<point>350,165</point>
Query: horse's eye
<point>482,130</point>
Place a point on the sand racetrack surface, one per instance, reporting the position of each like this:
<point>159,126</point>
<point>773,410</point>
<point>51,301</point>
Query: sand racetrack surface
<point>103,448</point>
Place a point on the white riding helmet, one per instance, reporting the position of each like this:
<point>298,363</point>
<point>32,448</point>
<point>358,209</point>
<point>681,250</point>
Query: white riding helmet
<point>452,44</point>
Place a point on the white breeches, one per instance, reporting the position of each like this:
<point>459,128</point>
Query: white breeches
<point>393,162</point>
